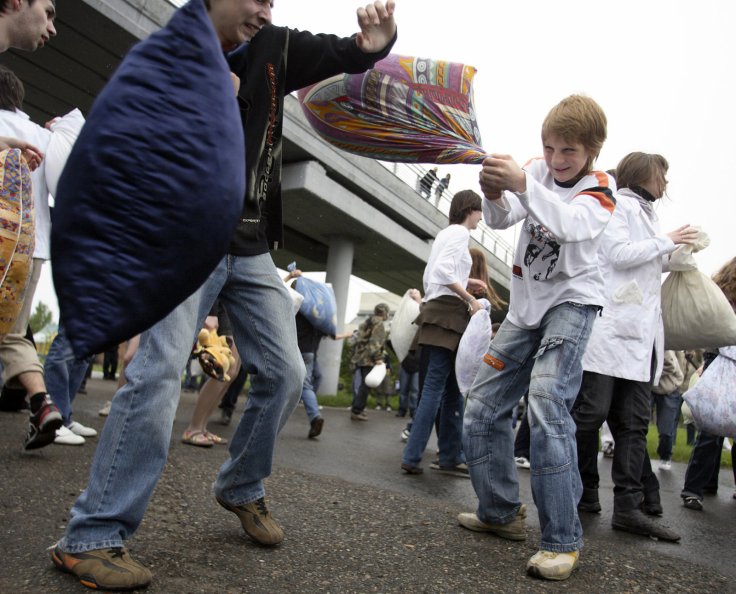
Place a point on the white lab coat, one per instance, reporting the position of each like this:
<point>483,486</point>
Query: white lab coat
<point>632,256</point>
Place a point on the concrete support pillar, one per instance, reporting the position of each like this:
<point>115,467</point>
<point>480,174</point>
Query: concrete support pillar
<point>339,268</point>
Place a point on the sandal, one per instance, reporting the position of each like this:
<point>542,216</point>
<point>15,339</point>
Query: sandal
<point>216,439</point>
<point>197,438</point>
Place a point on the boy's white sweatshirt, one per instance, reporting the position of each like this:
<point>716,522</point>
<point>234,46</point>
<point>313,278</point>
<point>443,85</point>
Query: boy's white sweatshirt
<point>556,258</point>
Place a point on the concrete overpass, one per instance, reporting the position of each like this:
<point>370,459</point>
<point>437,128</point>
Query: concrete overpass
<point>342,213</point>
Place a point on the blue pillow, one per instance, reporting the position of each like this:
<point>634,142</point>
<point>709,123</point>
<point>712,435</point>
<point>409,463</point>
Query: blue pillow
<point>319,305</point>
<point>153,188</point>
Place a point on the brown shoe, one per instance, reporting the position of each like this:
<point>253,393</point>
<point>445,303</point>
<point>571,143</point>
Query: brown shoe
<point>257,521</point>
<point>315,427</point>
<point>104,569</point>
<point>514,530</point>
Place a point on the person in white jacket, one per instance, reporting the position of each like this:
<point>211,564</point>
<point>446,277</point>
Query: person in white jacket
<point>624,355</point>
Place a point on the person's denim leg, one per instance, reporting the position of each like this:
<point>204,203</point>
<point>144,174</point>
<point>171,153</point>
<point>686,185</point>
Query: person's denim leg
<point>264,329</point>
<point>668,405</point>
<point>450,429</point>
<point>548,360</point>
<point>360,390</point>
<point>309,398</point>
<point>404,387</point>
<point>523,437</point>
<point>705,461</point>
<point>439,371</point>
<point>63,373</point>
<point>413,392</point>
<point>134,443</point>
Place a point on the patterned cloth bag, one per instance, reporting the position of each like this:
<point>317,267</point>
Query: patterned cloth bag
<point>712,400</point>
<point>17,235</point>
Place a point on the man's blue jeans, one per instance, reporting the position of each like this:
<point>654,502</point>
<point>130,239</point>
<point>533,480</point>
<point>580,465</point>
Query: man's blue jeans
<point>439,392</point>
<point>408,391</point>
<point>547,360</point>
<point>134,443</point>
<point>309,398</point>
<point>63,373</point>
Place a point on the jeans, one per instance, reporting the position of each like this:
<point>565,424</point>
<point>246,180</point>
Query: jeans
<point>360,390</point>
<point>547,360</point>
<point>408,391</point>
<point>439,392</point>
<point>625,404</point>
<point>135,440</point>
<point>64,373</point>
<point>704,466</point>
<point>668,407</point>
<point>309,398</point>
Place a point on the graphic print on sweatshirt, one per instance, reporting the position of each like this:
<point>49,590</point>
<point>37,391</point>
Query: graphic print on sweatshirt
<point>542,252</point>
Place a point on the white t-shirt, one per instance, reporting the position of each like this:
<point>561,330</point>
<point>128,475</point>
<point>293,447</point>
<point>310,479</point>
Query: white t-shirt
<point>17,124</point>
<point>556,259</point>
<point>449,262</point>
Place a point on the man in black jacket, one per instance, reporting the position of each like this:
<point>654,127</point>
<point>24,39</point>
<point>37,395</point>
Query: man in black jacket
<point>134,444</point>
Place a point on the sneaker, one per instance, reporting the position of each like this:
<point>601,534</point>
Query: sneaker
<point>636,522</point>
<point>522,462</point>
<point>79,429</point>
<point>65,437</point>
<point>405,435</point>
<point>361,416</point>
<point>105,410</point>
<point>378,407</point>
<point>388,408</point>
<point>457,470</point>
<point>665,465</point>
<point>692,502</point>
<point>608,449</point>
<point>103,569</point>
<point>549,565</point>
<point>411,469</point>
<point>257,521</point>
<point>315,427</point>
<point>514,530</point>
<point>42,425</point>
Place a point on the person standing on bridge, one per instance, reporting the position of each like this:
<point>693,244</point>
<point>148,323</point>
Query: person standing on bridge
<point>271,62</point>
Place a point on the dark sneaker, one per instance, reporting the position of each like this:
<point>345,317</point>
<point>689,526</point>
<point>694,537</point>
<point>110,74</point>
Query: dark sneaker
<point>549,565</point>
<point>514,530</point>
<point>636,522</point>
<point>457,470</point>
<point>257,521</point>
<point>103,569</point>
<point>693,503</point>
<point>42,425</point>
<point>315,427</point>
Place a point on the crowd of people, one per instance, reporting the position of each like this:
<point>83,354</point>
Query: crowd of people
<point>582,343</point>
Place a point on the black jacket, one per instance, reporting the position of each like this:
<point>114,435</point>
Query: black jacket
<point>264,80</point>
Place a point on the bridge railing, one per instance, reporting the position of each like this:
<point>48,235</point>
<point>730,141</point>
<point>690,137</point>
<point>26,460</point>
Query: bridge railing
<point>411,173</point>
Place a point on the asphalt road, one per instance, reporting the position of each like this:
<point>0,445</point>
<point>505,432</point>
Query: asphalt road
<point>354,522</point>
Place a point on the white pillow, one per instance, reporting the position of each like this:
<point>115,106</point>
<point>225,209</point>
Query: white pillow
<point>64,134</point>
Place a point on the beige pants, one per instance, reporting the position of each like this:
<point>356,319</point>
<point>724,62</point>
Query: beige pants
<point>17,353</point>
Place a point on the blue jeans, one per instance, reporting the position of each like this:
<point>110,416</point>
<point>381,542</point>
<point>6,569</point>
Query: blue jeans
<point>135,440</point>
<point>668,407</point>
<point>439,392</point>
<point>547,360</point>
<point>63,373</point>
<point>309,398</point>
<point>408,391</point>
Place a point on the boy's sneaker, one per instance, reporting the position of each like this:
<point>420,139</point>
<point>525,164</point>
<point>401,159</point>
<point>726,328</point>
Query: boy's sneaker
<point>458,469</point>
<point>42,425</point>
<point>608,449</point>
<point>405,435</point>
<point>522,462</point>
<point>514,530</point>
<point>257,521</point>
<point>103,569</point>
<point>361,416</point>
<point>665,465</point>
<point>65,437</point>
<point>105,410</point>
<point>315,427</point>
<point>549,565</point>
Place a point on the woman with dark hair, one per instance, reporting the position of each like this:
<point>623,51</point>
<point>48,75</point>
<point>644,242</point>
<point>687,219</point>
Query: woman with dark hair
<point>444,314</point>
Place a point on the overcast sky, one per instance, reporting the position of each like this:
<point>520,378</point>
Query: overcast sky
<point>663,71</point>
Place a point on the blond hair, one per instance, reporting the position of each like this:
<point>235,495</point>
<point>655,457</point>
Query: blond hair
<point>479,270</point>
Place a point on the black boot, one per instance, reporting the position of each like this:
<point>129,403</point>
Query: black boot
<point>652,505</point>
<point>637,522</point>
<point>589,502</point>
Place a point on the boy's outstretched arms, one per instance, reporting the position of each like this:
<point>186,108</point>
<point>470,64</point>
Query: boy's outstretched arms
<point>377,26</point>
